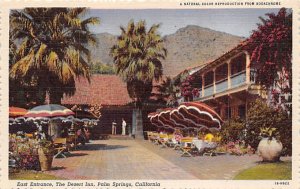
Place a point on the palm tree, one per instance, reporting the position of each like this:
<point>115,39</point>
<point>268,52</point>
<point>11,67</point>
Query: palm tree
<point>52,50</point>
<point>137,56</point>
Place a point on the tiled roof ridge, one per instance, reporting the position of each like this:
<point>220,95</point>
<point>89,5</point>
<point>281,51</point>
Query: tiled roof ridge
<point>103,89</point>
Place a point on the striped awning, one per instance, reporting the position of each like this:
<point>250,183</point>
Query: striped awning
<point>187,115</point>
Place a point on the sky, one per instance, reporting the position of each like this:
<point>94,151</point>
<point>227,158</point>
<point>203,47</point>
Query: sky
<point>238,22</point>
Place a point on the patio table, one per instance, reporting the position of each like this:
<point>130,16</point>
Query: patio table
<point>200,144</point>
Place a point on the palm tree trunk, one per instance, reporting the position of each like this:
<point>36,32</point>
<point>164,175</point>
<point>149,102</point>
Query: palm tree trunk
<point>55,97</point>
<point>139,124</point>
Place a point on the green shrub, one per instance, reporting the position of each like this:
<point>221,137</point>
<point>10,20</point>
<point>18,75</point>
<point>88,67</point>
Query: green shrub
<point>260,116</point>
<point>232,130</point>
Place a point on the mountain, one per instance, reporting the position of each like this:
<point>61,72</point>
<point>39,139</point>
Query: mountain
<point>100,53</point>
<point>188,47</point>
<point>193,45</point>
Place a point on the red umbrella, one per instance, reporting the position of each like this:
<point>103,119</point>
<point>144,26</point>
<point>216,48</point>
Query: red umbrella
<point>178,119</point>
<point>165,117</point>
<point>154,119</point>
<point>17,112</point>
<point>198,114</point>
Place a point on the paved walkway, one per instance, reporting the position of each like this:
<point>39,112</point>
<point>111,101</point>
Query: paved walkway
<point>133,159</point>
<point>116,159</point>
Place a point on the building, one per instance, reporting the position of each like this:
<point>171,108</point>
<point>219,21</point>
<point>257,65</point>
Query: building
<point>228,83</point>
<point>106,97</point>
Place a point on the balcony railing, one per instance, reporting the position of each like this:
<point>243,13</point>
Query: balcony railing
<point>221,85</point>
<point>198,97</point>
<point>209,90</point>
<point>238,79</point>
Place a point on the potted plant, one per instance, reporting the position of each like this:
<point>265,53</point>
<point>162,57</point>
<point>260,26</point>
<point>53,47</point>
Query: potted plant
<point>46,153</point>
<point>269,148</point>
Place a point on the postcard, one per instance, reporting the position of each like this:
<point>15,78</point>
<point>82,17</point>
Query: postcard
<point>160,94</point>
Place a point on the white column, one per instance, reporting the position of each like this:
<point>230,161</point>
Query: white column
<point>203,83</point>
<point>247,67</point>
<point>214,82</point>
<point>229,73</point>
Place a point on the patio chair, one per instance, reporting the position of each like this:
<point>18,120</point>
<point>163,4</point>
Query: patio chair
<point>71,141</point>
<point>171,142</point>
<point>210,149</point>
<point>199,146</point>
<point>154,137</point>
<point>29,135</point>
<point>60,145</point>
<point>149,134</point>
<point>186,145</point>
<point>163,139</point>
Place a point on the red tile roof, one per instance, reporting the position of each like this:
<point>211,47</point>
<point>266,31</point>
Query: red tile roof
<point>103,90</point>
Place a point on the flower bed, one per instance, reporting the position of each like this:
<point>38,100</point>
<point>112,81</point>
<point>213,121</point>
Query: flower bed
<point>24,151</point>
<point>235,148</point>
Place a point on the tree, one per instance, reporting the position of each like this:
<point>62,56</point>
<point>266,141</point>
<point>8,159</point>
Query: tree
<point>52,50</point>
<point>233,130</point>
<point>102,68</point>
<point>167,92</point>
<point>189,89</point>
<point>260,116</point>
<point>270,47</point>
<point>137,56</point>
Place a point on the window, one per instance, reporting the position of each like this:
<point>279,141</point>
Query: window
<point>238,64</point>
<point>221,72</point>
<point>228,112</point>
<point>209,78</point>
<point>242,111</point>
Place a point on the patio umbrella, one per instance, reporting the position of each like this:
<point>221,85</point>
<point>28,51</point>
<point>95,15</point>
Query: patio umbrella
<point>17,112</point>
<point>155,121</point>
<point>199,115</point>
<point>82,116</point>
<point>165,117</point>
<point>52,111</point>
<point>49,111</point>
<point>178,119</point>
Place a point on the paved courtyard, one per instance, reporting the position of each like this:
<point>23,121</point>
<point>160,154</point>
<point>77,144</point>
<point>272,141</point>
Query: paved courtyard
<point>137,159</point>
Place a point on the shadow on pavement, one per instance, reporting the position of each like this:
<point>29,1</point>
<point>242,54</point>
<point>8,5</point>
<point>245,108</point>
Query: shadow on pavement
<point>57,168</point>
<point>76,154</point>
<point>92,147</point>
<point>114,147</point>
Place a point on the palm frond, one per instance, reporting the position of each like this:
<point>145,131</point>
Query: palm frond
<point>22,67</point>
<point>52,62</point>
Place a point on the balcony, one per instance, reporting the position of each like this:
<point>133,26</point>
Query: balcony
<point>221,85</point>
<point>198,97</point>
<point>209,90</point>
<point>238,79</point>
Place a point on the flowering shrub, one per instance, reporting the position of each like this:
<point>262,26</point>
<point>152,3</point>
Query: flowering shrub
<point>232,130</point>
<point>188,91</point>
<point>271,50</point>
<point>235,148</point>
<point>24,151</point>
<point>195,92</point>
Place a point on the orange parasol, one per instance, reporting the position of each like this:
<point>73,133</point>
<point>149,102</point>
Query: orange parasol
<point>17,112</point>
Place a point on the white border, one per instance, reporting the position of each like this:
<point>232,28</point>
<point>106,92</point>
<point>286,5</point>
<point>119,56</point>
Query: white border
<point>5,5</point>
